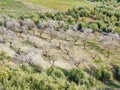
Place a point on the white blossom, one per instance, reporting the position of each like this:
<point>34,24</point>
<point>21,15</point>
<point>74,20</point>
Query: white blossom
<point>29,23</point>
<point>12,24</point>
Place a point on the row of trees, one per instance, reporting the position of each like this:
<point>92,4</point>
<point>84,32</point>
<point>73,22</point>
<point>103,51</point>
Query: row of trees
<point>27,26</point>
<point>50,27</point>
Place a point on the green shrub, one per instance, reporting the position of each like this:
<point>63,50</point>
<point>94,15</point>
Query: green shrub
<point>76,75</point>
<point>117,29</point>
<point>5,74</point>
<point>94,26</point>
<point>117,72</point>
<point>3,55</point>
<point>55,72</point>
<point>102,74</point>
<point>92,81</point>
<point>97,73</point>
<point>27,68</point>
<point>71,20</point>
<point>1,23</point>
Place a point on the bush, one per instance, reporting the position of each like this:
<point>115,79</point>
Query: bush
<point>117,29</point>
<point>117,72</point>
<point>55,72</point>
<point>3,55</point>
<point>5,74</point>
<point>1,23</point>
<point>94,26</point>
<point>102,74</point>
<point>76,75</point>
<point>71,20</point>
<point>80,26</point>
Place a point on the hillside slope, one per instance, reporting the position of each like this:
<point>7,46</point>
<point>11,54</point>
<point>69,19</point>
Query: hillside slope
<point>40,46</point>
<point>61,5</point>
<point>16,7</point>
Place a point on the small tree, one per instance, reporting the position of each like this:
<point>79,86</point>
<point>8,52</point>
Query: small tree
<point>2,32</point>
<point>52,33</point>
<point>85,35</point>
<point>12,24</point>
<point>29,23</point>
<point>34,30</point>
<point>62,34</point>
<point>45,49</point>
<point>77,61</point>
<point>66,47</point>
<point>51,60</point>
<point>107,45</point>
<point>108,42</point>
<point>41,31</point>
<point>75,35</point>
<point>10,36</point>
<point>24,29</point>
<point>19,51</point>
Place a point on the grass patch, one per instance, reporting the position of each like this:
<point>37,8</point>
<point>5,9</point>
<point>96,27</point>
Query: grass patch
<point>94,45</point>
<point>61,5</point>
<point>12,5</point>
<point>78,44</point>
<point>14,8</point>
<point>98,61</point>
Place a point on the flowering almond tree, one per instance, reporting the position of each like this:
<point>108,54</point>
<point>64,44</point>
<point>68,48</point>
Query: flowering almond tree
<point>85,35</point>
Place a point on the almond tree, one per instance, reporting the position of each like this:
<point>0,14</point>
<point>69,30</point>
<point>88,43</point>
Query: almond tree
<point>75,35</point>
<point>52,24</point>
<point>62,34</point>
<point>2,31</point>
<point>52,33</point>
<point>60,44</point>
<point>10,36</point>
<point>62,24</point>
<point>85,35</point>
<point>41,31</point>
<point>77,61</point>
<point>24,29</point>
<point>42,26</point>
<point>74,27</point>
<point>66,47</point>
<point>27,57</point>
<point>12,24</point>
<point>51,60</point>
<point>28,23</point>
<point>45,49</point>
<point>108,42</point>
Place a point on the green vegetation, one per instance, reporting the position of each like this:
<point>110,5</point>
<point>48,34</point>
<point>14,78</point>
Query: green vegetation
<point>25,77</point>
<point>3,56</point>
<point>61,5</point>
<point>117,72</point>
<point>102,74</point>
<point>77,48</point>
<point>14,8</point>
<point>12,5</point>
